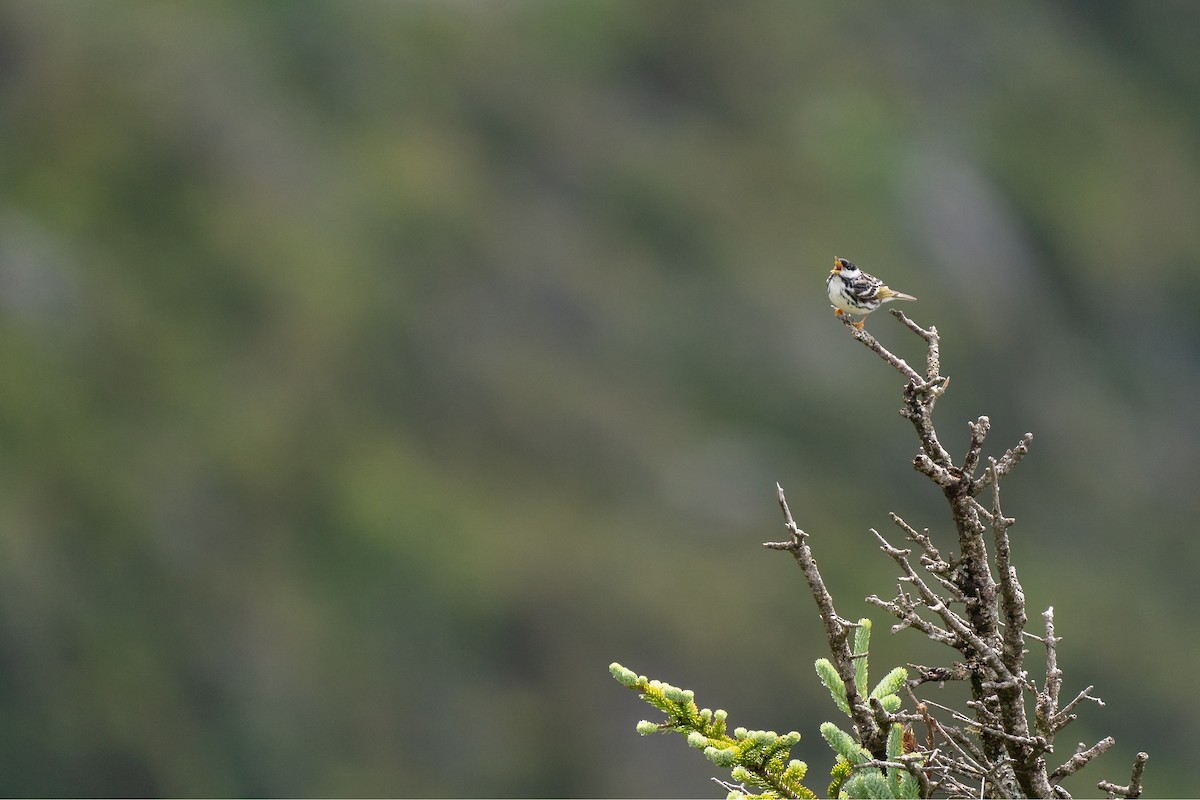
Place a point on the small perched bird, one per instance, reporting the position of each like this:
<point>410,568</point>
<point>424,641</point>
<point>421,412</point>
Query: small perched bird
<point>853,291</point>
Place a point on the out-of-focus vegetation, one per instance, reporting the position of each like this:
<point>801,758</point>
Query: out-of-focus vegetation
<point>355,358</point>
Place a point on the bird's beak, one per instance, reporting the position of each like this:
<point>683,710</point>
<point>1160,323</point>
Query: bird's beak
<point>837,267</point>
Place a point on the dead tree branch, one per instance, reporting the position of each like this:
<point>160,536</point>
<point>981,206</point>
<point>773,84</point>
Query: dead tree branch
<point>1134,787</point>
<point>872,736</point>
<point>970,604</point>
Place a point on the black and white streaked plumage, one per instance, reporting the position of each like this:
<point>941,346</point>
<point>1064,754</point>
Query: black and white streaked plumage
<point>854,292</point>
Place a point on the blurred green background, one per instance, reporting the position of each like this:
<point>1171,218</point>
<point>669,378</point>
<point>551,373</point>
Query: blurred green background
<point>374,374</point>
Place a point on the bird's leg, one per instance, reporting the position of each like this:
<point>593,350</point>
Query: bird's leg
<point>837,312</point>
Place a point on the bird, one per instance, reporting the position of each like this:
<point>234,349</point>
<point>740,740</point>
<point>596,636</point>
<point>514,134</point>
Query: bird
<point>854,292</point>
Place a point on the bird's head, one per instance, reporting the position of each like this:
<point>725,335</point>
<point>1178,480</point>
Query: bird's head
<point>844,267</point>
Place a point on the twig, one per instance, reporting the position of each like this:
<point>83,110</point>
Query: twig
<point>979,432</point>
<point>934,565</point>
<point>965,639</point>
<point>1134,787</point>
<point>871,342</point>
<point>1005,463</point>
<point>920,393</point>
<point>1080,759</point>
<point>1025,741</point>
<point>1065,716</point>
<point>936,472</point>
<point>1047,702</point>
<point>957,671</point>
<point>933,362</point>
<point>869,733</point>
<point>922,539</point>
<point>1012,596</point>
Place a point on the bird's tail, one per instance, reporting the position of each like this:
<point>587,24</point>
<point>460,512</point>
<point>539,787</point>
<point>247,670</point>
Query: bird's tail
<point>888,294</point>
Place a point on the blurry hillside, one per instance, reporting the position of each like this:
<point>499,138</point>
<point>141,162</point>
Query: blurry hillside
<point>355,355</point>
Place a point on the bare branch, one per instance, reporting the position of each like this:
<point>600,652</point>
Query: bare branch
<point>873,344</point>
<point>1079,698</point>
<point>905,610</point>
<point>933,363</point>
<point>933,563</point>
<point>1005,463</point>
<point>871,736</point>
<point>1080,759</point>
<point>937,473</point>
<point>1012,596</point>
<point>979,431</point>
<point>919,412</point>
<point>936,562</point>
<point>1047,702</point>
<point>1134,788</point>
<point>957,671</point>
<point>920,393</point>
<point>962,756</point>
<point>960,633</point>
<point>958,716</point>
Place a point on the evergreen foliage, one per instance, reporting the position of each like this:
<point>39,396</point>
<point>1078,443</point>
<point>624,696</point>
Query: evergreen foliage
<point>755,758</point>
<point>885,691</point>
<point>854,774</point>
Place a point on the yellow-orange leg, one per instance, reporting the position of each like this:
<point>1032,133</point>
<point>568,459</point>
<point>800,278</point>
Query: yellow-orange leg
<point>859,325</point>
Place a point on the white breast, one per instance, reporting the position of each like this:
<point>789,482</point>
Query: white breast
<point>834,284</point>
